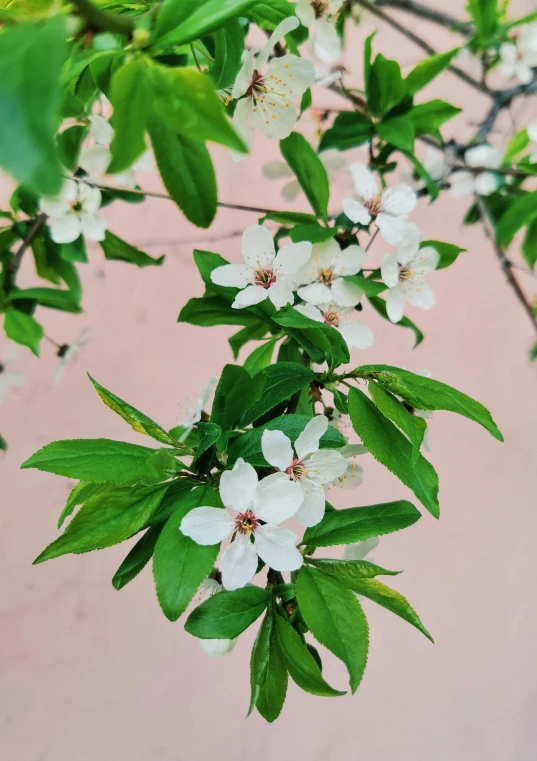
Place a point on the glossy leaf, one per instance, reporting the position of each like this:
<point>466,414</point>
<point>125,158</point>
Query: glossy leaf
<point>225,615</point>
<point>309,171</point>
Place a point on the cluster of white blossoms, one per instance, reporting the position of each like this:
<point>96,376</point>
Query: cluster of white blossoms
<point>484,183</point>
<point>518,57</point>
<point>254,509</point>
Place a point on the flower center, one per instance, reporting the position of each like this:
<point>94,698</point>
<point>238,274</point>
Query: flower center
<point>246,523</point>
<point>405,273</point>
<point>331,318</point>
<point>256,86</point>
<point>320,7</point>
<point>297,470</point>
<point>264,278</point>
<point>373,204</point>
<point>76,206</point>
<point>326,276</point>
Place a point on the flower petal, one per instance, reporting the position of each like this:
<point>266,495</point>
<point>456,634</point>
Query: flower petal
<point>312,510</point>
<point>389,270</point>
<point>483,155</point>
<point>296,74</point>
<point>243,121</point>
<point>237,486</point>
<point>391,228</point>
<point>244,77</point>
<point>356,211</point>
<point>532,130</point>
<point>350,260</point>
<point>425,261</point>
<point>251,295</point>
<point>325,465</point>
<point>276,170</point>
<point>326,42</point>
<point>238,564</point>
<point>281,292</point>
<point>277,449</point>
<point>359,550</point>
<point>395,303</point>
<point>316,293</point>
<point>311,311</point>
<point>420,295</point>
<point>215,648</point>
<point>277,547</point>
<point>308,441</point>
<point>277,498</point>
<point>398,200</point>
<point>357,335</point>
<point>292,257</point>
<point>353,476</point>
<point>486,183</point>
<point>462,183</point>
<point>207,525</point>
<point>95,159</point>
<point>93,226</point>
<point>100,130</point>
<point>65,229</point>
<point>409,245</point>
<point>275,115</point>
<point>346,293</point>
<point>258,247</point>
<point>233,275</point>
<point>283,28</point>
<point>365,183</point>
<point>305,12</point>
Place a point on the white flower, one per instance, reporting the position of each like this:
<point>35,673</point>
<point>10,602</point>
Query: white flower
<point>359,550</point>
<point>322,278</point>
<point>482,183</point>
<point>518,58</point>
<point>214,647</point>
<point>332,160</point>
<point>435,164</point>
<point>260,507</point>
<point>316,15</point>
<point>265,273</point>
<point>389,207</point>
<point>354,475</point>
<point>357,335</point>
<point>68,353</point>
<point>73,213</point>
<point>404,274</point>
<point>532,134</point>
<point>269,98</point>
<point>193,414</point>
<point>310,468</point>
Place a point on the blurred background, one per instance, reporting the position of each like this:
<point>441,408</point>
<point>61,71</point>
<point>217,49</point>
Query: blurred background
<point>90,673</point>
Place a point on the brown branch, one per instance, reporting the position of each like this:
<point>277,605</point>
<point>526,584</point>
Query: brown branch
<point>16,259</point>
<point>430,14</point>
<point>100,20</point>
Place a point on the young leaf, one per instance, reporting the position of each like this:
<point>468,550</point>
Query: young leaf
<point>315,337</point>
<point>131,96</point>
<point>349,570</point>
<point>23,329</point>
<point>358,523</point>
<point>309,171</point>
<point>215,310</point>
<point>393,450</point>
<point>335,618</point>
<point>53,298</point>
<point>137,558</point>
<point>520,212</point>
<point>225,615</point>
<point>105,520</point>
<point>228,47</point>
<point>179,563</point>
<point>413,427</point>
<point>386,86</point>
<point>209,434</point>
<point>529,245</point>
<point>186,170</point>
<point>261,357</point>
<point>399,131</point>
<point>236,391</point>
<point>349,130</point>
<point>81,493</point>
<point>449,252</point>
<point>300,663</point>
<point>94,460</point>
<point>427,70</point>
<point>388,598</point>
<point>428,117</point>
<point>428,394</point>
<point>136,419</point>
<point>281,381</point>
<point>180,21</point>
<point>268,675</point>
<point>116,248</point>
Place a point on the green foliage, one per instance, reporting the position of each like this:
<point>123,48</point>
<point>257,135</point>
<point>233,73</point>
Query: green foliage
<point>316,338</point>
<point>521,212</point>
<point>137,559</point>
<point>131,100</point>
<point>268,675</point>
<point>350,129</point>
<point>180,21</point>
<point>281,381</point>
<point>115,248</point>
<point>309,172</point>
<point>225,615</point>
<point>23,329</point>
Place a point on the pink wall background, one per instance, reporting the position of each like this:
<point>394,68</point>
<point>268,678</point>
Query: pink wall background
<point>90,673</point>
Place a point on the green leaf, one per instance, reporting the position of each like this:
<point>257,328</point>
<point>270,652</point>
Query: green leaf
<point>315,338</point>
<point>235,393</point>
<point>74,251</point>
<point>206,262</point>
<point>427,70</point>
<point>388,598</point>
<point>300,663</point>
<point>261,357</point>
<point>53,298</point>
<point>176,490</point>
<point>399,131</point>
<point>368,285</point>
<point>268,14</point>
<point>393,450</point>
<point>448,252</point>
<point>179,563</point>
<point>386,86</point>
<point>520,212</point>
<point>136,419</point>
<point>290,218</point>
<point>80,494</point>
<point>428,394</point>
<point>349,130</point>
<point>228,48</point>
<point>95,460</point>
<point>186,101</point>
<point>413,427</point>
<point>311,233</point>
<point>335,618</point>
<point>309,171</point>
<point>209,433</point>
<point>32,55</point>
<point>186,170</point>
<point>215,310</point>
<point>518,143</point>
<point>180,21</point>
<point>253,332</point>
<point>248,445</point>
<point>131,96</point>
<point>379,305</point>
<point>225,615</point>
<point>23,329</point>
<point>281,381</point>
<point>428,117</point>
<point>69,143</point>
<point>137,558</point>
<point>485,15</point>
<point>347,571</point>
<point>529,244</point>
<point>116,248</point>
<point>358,523</point>
<point>268,675</point>
<point>431,185</point>
<point>105,520</point>
<point>3,444</point>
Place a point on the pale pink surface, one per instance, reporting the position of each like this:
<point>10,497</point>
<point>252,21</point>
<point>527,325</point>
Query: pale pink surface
<point>88,672</point>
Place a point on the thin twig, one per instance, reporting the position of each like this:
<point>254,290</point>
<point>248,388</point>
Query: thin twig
<point>506,263</point>
<point>372,238</point>
<point>430,14</point>
<point>16,259</point>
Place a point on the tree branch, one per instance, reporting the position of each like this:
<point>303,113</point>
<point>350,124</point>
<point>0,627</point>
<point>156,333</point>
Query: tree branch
<point>101,20</point>
<point>425,12</point>
<point>16,259</point>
